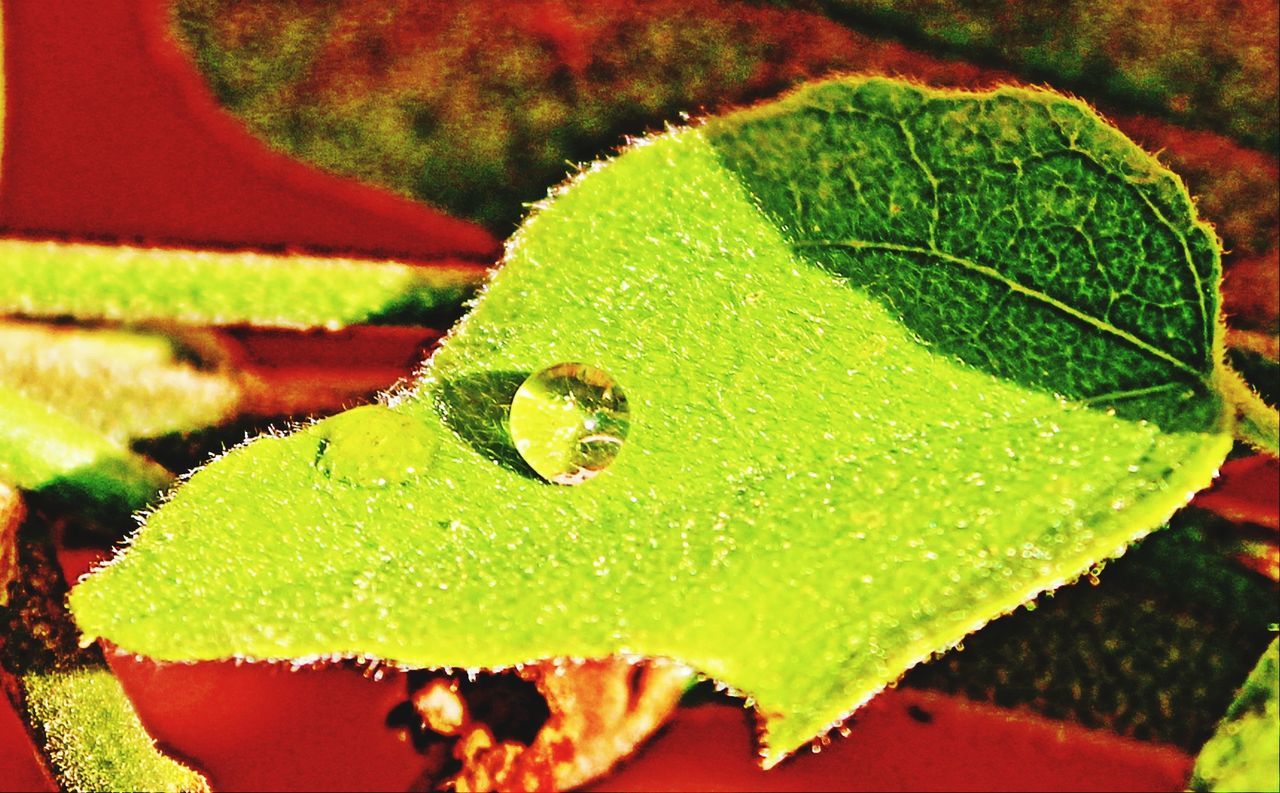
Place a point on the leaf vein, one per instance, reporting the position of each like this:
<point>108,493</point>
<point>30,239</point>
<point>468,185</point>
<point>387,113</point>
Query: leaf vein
<point>1206,332</point>
<point>1035,294</point>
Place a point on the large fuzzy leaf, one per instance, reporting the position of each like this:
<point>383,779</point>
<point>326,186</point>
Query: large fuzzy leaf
<point>897,360</point>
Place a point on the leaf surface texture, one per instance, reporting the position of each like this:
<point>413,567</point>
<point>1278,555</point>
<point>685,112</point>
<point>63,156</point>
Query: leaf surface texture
<point>897,360</point>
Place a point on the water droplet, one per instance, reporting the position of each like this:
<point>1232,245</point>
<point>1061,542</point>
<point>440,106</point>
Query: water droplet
<point>373,446</point>
<point>569,421</point>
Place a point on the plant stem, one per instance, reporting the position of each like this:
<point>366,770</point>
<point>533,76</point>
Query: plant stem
<point>1259,423</point>
<point>82,723</point>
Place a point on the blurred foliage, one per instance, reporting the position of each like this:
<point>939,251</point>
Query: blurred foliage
<point>1153,647</point>
<point>122,384</point>
<point>1210,62</point>
<point>479,106</point>
<point>1244,754</point>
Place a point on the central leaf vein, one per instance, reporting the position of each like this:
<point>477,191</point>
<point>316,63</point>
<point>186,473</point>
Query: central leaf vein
<point>1013,285</point>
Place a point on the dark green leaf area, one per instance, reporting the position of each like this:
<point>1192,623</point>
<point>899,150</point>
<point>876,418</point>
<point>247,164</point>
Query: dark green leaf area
<point>1014,230</point>
<point>1153,650</point>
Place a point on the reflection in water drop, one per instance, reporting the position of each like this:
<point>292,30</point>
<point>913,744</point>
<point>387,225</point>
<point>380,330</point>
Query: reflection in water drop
<point>568,422</point>
<point>373,446</point>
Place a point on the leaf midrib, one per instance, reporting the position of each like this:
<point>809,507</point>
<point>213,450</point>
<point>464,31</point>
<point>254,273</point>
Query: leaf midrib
<point>1013,285</point>
<point>1070,147</point>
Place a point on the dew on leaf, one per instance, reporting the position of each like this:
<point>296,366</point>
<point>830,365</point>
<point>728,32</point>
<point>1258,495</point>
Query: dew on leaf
<point>569,422</point>
<point>373,446</point>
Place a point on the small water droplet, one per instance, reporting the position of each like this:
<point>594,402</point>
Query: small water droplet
<point>569,422</point>
<point>373,446</point>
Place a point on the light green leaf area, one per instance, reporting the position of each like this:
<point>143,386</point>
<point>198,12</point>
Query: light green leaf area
<point>1244,754</point>
<point>44,279</point>
<point>62,703</point>
<point>44,450</point>
<point>863,420</point>
<point>123,384</point>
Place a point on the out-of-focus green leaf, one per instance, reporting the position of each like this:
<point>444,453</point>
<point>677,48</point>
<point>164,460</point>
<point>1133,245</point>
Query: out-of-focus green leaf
<point>1210,62</point>
<point>123,384</point>
<point>1244,754</point>
<point>478,106</point>
<point>45,451</point>
<point>49,279</point>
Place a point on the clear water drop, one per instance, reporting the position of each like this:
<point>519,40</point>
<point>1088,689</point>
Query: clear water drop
<point>374,446</point>
<point>569,422</point>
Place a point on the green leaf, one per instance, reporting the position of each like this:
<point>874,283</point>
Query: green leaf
<point>895,360</point>
<point>47,279</point>
<point>1244,754</point>
<point>45,451</point>
<point>123,384</point>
